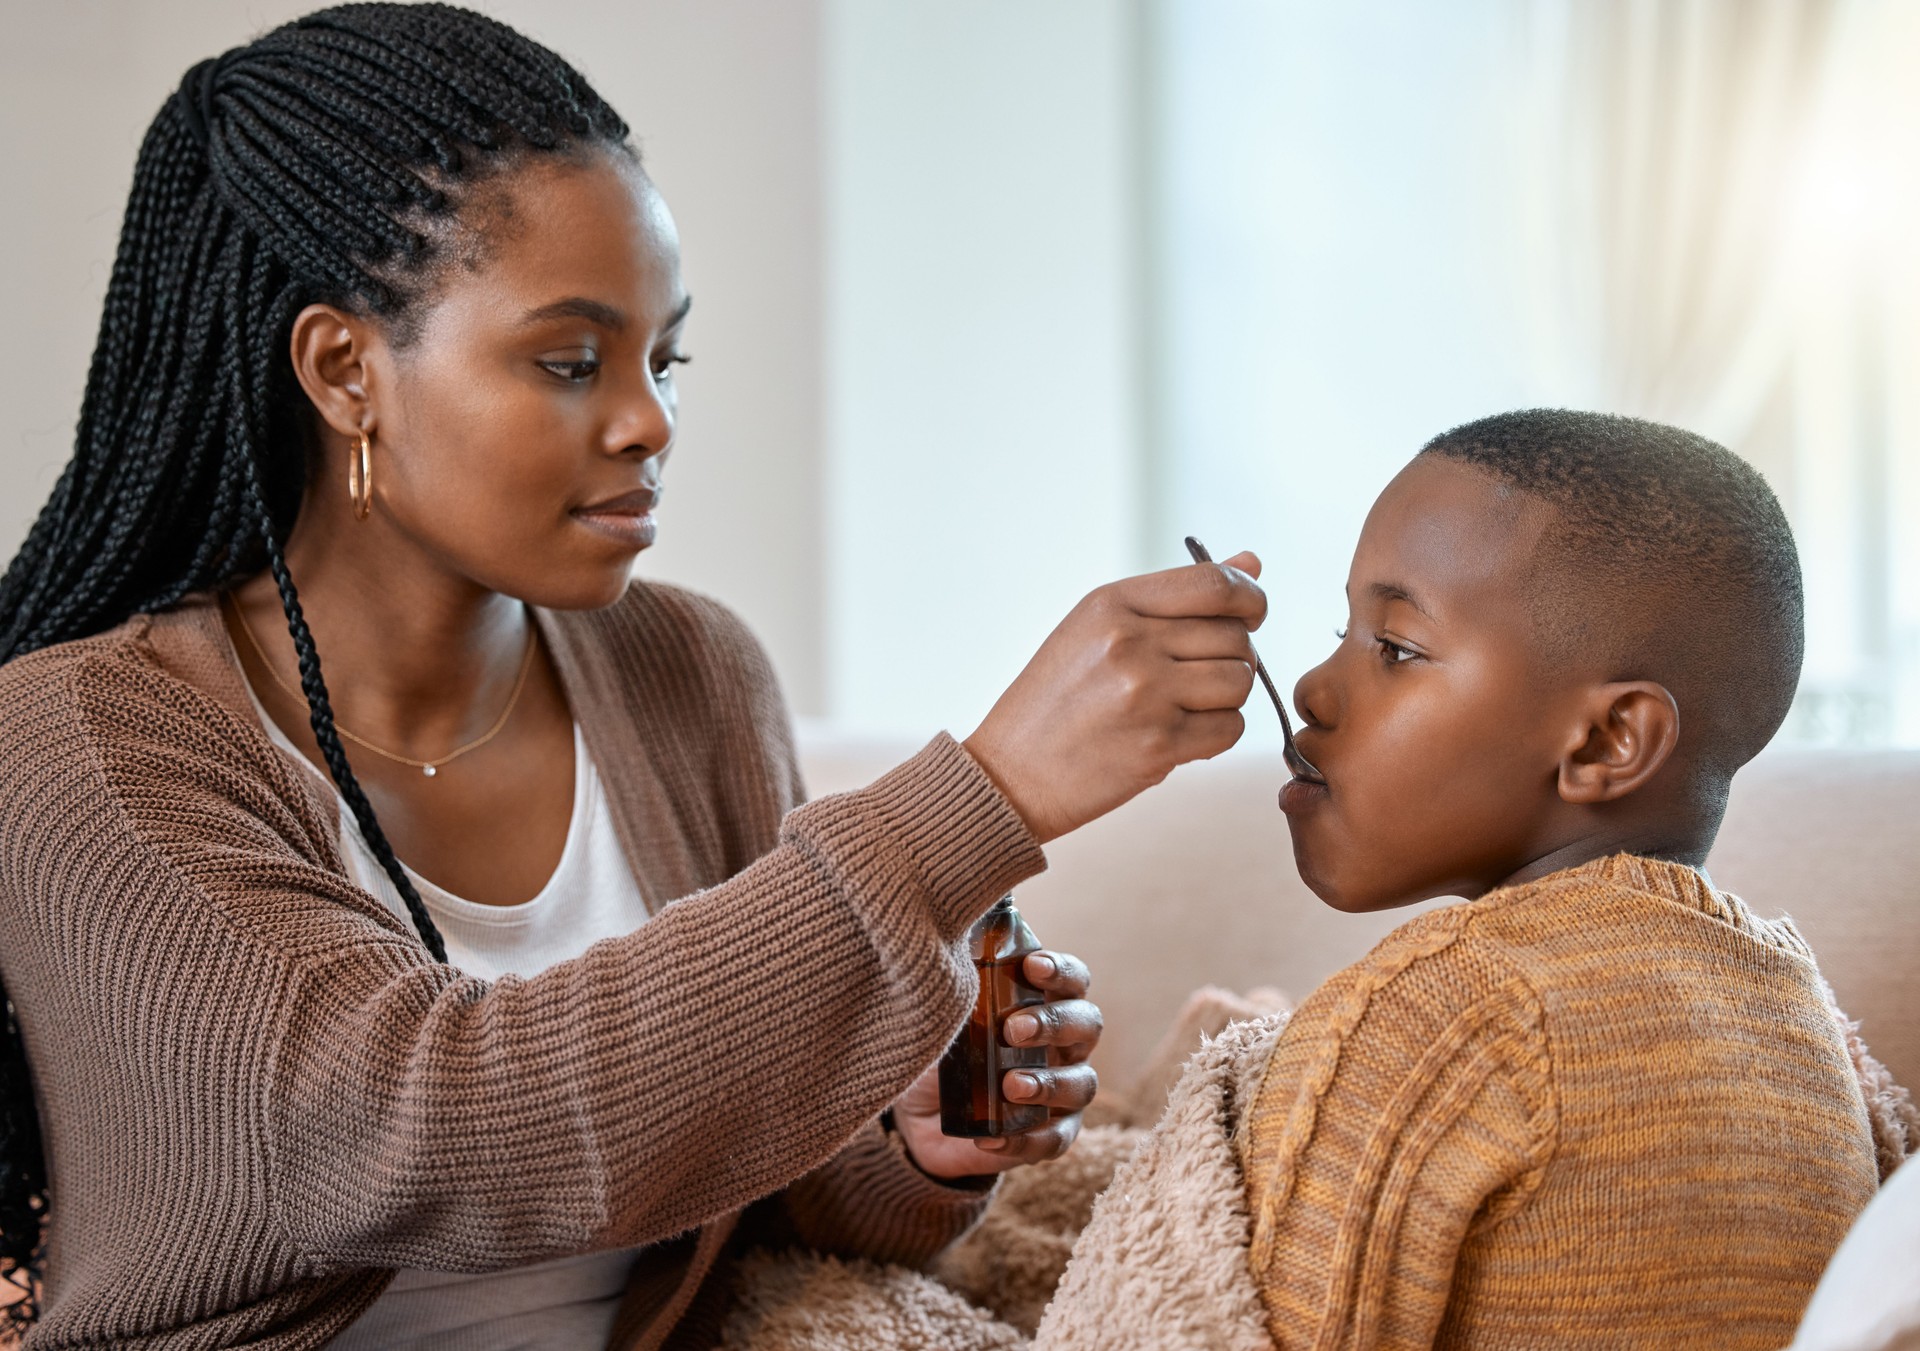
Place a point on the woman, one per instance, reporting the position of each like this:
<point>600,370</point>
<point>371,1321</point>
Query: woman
<point>395,314</point>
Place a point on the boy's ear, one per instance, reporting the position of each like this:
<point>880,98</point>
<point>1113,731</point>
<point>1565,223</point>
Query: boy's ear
<point>1628,732</point>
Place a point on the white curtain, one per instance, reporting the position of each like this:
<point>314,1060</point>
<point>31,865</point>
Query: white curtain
<point>1719,221</point>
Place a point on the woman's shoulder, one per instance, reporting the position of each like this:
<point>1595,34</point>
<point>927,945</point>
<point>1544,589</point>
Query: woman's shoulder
<point>138,720</point>
<point>172,660</point>
<point>672,664</point>
<point>52,689</point>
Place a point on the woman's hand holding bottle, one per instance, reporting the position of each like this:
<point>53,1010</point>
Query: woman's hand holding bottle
<point>1068,1025</point>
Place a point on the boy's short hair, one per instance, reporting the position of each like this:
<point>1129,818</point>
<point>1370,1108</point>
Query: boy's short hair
<point>1669,560</point>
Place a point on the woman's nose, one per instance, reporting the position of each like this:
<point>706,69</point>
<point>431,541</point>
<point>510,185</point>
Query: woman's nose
<point>645,425</point>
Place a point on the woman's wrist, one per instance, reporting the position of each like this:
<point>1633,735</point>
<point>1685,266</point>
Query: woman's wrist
<point>966,1182</point>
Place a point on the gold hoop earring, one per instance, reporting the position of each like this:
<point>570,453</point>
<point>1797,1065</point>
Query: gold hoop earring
<point>360,477</point>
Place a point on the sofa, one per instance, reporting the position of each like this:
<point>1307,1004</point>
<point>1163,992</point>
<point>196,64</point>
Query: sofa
<point>1193,884</point>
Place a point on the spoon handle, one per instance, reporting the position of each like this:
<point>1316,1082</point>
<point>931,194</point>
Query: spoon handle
<point>1296,762</point>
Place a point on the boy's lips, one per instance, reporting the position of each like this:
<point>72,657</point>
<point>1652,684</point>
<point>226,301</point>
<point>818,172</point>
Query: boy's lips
<point>1299,795</point>
<point>1306,790</point>
<point>1306,766</point>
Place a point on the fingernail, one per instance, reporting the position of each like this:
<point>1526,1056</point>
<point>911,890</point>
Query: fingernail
<point>991,1144</point>
<point>1041,965</point>
<point>1022,1086</point>
<point>1022,1027</point>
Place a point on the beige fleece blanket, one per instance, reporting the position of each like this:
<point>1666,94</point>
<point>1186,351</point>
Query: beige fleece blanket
<point>1134,1240</point>
<point>1162,1264</point>
<point>1161,1226</point>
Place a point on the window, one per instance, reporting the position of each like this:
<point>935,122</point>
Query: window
<point>1376,220</point>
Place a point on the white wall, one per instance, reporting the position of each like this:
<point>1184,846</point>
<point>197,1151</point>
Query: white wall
<point>910,232</point>
<point>984,417</point>
<point>724,98</point>
<point>1329,280</point>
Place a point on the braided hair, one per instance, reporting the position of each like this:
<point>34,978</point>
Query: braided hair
<point>325,162</point>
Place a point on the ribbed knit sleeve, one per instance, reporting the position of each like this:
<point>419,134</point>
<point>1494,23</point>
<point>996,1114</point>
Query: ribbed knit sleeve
<point>1407,1106</point>
<point>870,1201</point>
<point>258,1086</point>
<point>734,1043</point>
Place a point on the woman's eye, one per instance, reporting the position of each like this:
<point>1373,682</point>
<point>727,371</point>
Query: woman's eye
<point>664,366</point>
<point>574,372</point>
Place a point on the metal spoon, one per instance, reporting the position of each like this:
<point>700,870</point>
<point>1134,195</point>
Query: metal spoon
<point>1298,763</point>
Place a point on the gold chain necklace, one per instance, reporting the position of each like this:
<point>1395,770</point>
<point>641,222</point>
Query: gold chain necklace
<point>427,767</point>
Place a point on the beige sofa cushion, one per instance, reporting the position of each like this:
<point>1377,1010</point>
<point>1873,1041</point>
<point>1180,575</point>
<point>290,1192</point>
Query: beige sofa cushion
<point>1832,838</point>
<point>1193,884</point>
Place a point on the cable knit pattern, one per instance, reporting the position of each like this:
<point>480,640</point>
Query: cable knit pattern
<point>1608,1109</point>
<point>1349,1008</point>
<point>260,1092</point>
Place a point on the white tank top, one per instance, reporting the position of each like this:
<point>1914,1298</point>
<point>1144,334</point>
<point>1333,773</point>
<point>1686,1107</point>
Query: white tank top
<point>557,1305</point>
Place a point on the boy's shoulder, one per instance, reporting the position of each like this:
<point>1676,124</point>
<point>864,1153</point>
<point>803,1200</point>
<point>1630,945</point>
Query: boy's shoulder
<point>1422,986</point>
<point>1571,924</point>
<point>1619,954</point>
<point>1570,951</point>
<point>1647,940</point>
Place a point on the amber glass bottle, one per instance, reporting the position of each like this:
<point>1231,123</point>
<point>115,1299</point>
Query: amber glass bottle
<point>974,1068</point>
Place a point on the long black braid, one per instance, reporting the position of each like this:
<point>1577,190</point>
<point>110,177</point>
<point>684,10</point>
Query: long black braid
<point>324,162</point>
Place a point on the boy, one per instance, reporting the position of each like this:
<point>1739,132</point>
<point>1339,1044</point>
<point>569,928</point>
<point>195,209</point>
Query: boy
<point>1599,1103</point>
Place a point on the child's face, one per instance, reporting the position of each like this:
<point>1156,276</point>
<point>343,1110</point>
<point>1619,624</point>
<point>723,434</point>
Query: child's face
<point>1438,728</point>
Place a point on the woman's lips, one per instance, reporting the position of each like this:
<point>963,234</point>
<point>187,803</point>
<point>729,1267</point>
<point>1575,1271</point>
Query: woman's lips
<point>633,529</point>
<point>627,518</point>
<point>1302,795</point>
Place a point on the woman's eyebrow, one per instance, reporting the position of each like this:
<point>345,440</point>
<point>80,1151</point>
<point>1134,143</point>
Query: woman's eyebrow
<point>577,307</point>
<point>596,312</point>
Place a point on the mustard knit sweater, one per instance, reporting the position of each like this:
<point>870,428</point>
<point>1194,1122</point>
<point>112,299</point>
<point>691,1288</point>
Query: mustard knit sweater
<point>1610,1108</point>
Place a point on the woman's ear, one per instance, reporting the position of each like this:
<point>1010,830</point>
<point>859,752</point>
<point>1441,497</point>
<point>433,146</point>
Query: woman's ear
<point>331,350</point>
<point>1629,731</point>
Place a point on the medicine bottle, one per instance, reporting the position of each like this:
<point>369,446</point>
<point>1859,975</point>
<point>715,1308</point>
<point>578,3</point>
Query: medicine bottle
<point>973,1070</point>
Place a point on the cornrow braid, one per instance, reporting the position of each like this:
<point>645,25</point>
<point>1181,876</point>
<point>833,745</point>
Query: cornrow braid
<point>325,162</point>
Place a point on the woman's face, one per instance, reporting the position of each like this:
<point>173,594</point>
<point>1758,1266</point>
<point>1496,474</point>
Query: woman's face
<point>519,438</point>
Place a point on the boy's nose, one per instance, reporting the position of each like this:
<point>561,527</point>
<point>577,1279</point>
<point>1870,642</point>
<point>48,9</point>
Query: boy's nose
<point>1313,697</point>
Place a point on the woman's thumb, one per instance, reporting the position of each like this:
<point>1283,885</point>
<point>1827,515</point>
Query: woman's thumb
<point>1246,561</point>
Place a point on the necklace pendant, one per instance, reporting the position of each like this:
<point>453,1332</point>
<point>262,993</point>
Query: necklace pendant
<point>428,770</point>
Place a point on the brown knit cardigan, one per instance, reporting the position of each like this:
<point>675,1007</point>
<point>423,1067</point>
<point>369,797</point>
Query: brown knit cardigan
<point>259,1094</point>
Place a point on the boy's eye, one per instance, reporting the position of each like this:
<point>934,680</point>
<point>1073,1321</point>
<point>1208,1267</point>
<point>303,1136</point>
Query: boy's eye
<point>1393,653</point>
<point>1341,633</point>
<point>663,367</point>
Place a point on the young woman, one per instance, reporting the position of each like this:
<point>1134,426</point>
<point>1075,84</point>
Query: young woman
<point>395,313</point>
